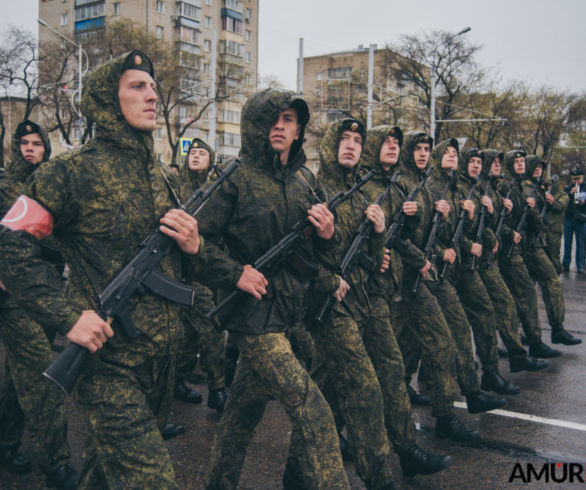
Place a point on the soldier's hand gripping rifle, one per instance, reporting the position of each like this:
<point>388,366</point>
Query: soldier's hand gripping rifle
<point>455,242</point>
<point>274,258</point>
<point>432,238</point>
<point>499,228</point>
<point>546,204</point>
<point>523,221</point>
<point>481,224</point>
<point>136,277</point>
<point>355,255</point>
<point>398,220</point>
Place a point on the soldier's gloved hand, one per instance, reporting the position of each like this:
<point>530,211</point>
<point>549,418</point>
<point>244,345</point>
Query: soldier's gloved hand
<point>476,249</point>
<point>530,202</point>
<point>468,206</point>
<point>343,288</point>
<point>90,331</point>
<point>450,256</point>
<point>425,269</point>
<point>376,216</point>
<point>252,282</point>
<point>410,208</point>
<point>323,220</point>
<point>386,261</point>
<point>507,203</point>
<point>443,207</point>
<point>487,203</point>
<point>182,227</point>
<point>517,238</point>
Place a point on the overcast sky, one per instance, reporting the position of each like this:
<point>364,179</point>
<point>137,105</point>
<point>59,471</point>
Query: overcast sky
<point>542,42</point>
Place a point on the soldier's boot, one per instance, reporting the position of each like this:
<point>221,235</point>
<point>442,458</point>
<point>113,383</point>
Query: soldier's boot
<point>13,461</point>
<point>185,393</point>
<point>217,400</point>
<point>495,382</point>
<point>528,363</point>
<point>481,402</point>
<point>172,430</point>
<point>63,478</point>
<point>561,336</point>
<point>450,427</point>
<point>543,351</point>
<point>418,398</point>
<point>416,461</point>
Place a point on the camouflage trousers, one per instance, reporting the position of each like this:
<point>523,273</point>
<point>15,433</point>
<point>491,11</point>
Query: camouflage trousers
<point>522,288</point>
<point>267,370</point>
<point>125,409</point>
<point>28,399</point>
<point>383,349</point>
<point>507,320</point>
<point>543,272</point>
<point>421,330</point>
<point>201,336</point>
<point>480,312</point>
<point>345,373</point>
<point>553,250</point>
<point>455,316</point>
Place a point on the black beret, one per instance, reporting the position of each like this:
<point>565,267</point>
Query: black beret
<point>137,60</point>
<point>27,127</point>
<point>350,124</point>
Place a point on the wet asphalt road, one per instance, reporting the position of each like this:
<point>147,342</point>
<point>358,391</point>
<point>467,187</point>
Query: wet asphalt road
<point>556,395</point>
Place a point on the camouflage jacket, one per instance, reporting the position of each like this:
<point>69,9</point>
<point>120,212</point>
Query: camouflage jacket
<point>255,207</point>
<point>105,198</point>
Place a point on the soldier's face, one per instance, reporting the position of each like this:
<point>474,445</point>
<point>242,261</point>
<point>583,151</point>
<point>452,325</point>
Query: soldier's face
<point>421,154</point>
<point>198,159</point>
<point>284,131</point>
<point>349,149</point>
<point>389,152</point>
<point>495,166</point>
<point>32,148</point>
<point>519,165</point>
<point>137,95</point>
<point>450,159</point>
<point>538,172</point>
<point>474,166</point>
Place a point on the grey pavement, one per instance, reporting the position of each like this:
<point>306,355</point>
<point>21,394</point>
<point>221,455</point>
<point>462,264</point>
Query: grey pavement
<point>555,396</point>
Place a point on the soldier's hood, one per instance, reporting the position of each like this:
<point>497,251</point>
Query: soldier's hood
<point>410,140</point>
<point>100,104</point>
<point>438,153</point>
<point>466,155</point>
<point>489,155</point>
<point>531,163</point>
<point>196,179</point>
<point>258,115</point>
<point>332,172</point>
<point>509,162</point>
<point>18,167</point>
<point>375,138</point>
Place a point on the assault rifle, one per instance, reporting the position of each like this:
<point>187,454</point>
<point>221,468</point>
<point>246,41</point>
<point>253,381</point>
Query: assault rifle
<point>432,238</point>
<point>273,258</point>
<point>523,220</point>
<point>455,242</point>
<point>546,204</point>
<point>136,277</point>
<point>481,224</point>
<point>398,220</point>
<point>355,255</point>
<point>500,224</point>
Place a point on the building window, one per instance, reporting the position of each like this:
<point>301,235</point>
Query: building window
<point>248,13</point>
<point>232,25</point>
<point>207,21</point>
<point>64,19</point>
<point>89,11</point>
<point>208,2</point>
<point>340,73</point>
<point>231,116</point>
<point>231,47</point>
<point>248,79</point>
<point>235,5</point>
<point>206,68</point>
<point>248,57</point>
<point>160,7</point>
<point>159,32</point>
<point>187,10</point>
<point>117,8</point>
<point>248,35</point>
<point>189,35</point>
<point>159,133</point>
<point>207,45</point>
<point>229,139</point>
<point>77,134</point>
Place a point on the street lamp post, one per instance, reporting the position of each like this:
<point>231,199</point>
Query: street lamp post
<point>433,79</point>
<point>79,51</point>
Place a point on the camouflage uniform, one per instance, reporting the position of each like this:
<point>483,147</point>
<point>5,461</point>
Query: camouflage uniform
<point>105,198</point>
<point>427,331</point>
<point>254,209</point>
<point>200,334</point>
<point>554,222</point>
<point>28,398</point>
